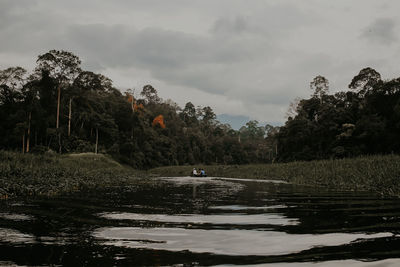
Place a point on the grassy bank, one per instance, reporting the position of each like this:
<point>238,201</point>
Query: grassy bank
<point>52,174</point>
<point>379,174</point>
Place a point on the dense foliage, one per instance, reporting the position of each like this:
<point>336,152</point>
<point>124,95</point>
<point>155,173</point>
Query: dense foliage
<point>62,108</point>
<point>362,121</point>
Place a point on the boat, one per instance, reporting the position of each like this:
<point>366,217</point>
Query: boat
<point>198,175</point>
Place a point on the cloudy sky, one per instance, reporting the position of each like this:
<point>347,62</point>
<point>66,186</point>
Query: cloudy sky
<point>249,58</point>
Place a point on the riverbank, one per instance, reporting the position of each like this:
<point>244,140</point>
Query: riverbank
<point>23,175</point>
<point>379,174</point>
<point>53,174</point>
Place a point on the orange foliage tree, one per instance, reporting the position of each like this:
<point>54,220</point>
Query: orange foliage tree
<point>159,120</point>
<point>135,107</point>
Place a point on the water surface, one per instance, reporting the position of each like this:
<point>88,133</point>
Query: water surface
<point>203,221</point>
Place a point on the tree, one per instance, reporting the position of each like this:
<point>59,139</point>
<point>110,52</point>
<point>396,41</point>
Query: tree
<point>207,120</point>
<point>90,81</point>
<point>94,114</point>
<point>150,94</point>
<point>365,81</point>
<point>252,130</point>
<point>87,81</point>
<point>188,114</point>
<point>292,109</point>
<point>319,86</point>
<point>11,82</point>
<point>62,66</point>
<point>208,114</point>
<point>270,130</point>
<point>159,120</point>
<point>100,118</point>
<point>12,77</point>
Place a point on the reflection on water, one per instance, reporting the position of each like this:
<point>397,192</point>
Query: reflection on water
<point>226,242</point>
<point>14,236</point>
<point>203,221</point>
<point>253,180</point>
<point>248,208</point>
<point>235,219</point>
<point>15,217</point>
<point>352,263</point>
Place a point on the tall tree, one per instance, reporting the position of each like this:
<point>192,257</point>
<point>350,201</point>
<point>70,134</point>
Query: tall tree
<point>85,82</point>
<point>30,94</point>
<point>63,66</point>
<point>150,94</point>
<point>320,87</point>
<point>366,79</point>
<point>11,82</point>
<point>188,114</point>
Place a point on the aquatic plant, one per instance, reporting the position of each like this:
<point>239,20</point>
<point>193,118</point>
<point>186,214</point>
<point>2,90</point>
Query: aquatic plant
<point>379,174</point>
<point>23,175</point>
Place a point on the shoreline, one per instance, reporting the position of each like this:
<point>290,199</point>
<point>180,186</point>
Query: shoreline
<point>49,175</point>
<point>378,174</point>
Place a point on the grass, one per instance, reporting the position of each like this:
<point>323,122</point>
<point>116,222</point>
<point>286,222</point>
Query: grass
<point>23,175</point>
<point>380,174</point>
<point>52,174</point>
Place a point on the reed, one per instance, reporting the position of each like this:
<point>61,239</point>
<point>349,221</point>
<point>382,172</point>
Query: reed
<point>23,175</point>
<point>27,175</point>
<point>379,173</point>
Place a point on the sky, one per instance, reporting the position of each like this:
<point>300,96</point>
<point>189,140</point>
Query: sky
<point>242,58</point>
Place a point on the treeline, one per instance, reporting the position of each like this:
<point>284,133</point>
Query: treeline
<point>62,108</point>
<point>362,121</point>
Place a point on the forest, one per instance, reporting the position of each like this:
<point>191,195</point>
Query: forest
<point>363,120</point>
<point>60,108</point>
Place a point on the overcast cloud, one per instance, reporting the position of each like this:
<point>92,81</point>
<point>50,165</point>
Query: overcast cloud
<point>244,57</point>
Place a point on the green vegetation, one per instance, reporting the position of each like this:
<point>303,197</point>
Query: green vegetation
<point>52,174</point>
<point>361,121</point>
<point>62,108</point>
<point>380,174</point>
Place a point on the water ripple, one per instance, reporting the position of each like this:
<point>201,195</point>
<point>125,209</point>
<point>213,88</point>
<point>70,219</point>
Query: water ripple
<point>233,219</point>
<point>225,242</point>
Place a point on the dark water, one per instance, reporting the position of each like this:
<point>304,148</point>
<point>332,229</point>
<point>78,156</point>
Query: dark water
<point>203,221</point>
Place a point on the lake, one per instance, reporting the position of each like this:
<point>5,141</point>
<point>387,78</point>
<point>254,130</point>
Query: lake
<point>202,221</point>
